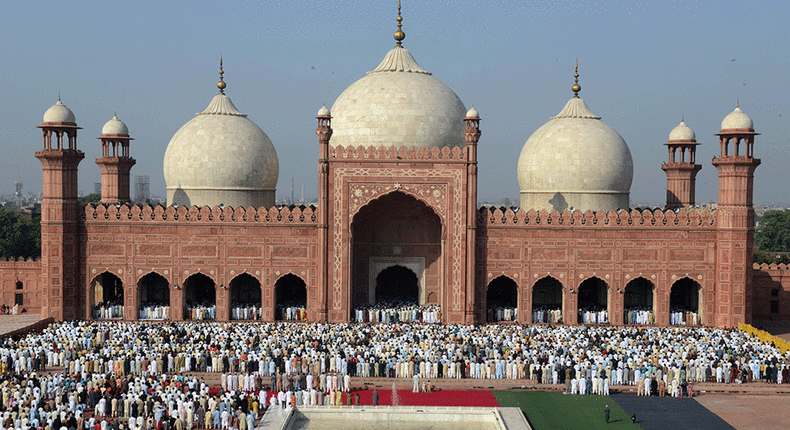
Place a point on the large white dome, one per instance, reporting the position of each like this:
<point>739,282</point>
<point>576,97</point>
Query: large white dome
<point>575,161</point>
<point>398,104</point>
<point>115,127</point>
<point>221,157</point>
<point>59,113</point>
<point>737,120</point>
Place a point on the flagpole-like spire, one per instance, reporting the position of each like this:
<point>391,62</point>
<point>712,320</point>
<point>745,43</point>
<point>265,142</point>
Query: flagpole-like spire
<point>576,87</point>
<point>221,84</point>
<point>399,35</point>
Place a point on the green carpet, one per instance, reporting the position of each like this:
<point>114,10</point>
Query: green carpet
<point>559,411</point>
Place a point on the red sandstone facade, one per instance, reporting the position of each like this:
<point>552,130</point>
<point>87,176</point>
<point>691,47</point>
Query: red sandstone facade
<point>411,207</point>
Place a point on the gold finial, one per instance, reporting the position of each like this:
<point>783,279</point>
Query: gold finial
<point>399,35</point>
<point>576,87</point>
<point>682,118</point>
<point>738,102</point>
<point>221,84</point>
<point>58,95</point>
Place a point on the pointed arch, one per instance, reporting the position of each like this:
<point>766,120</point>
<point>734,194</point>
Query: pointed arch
<point>153,297</point>
<point>290,298</point>
<point>200,297</point>
<point>548,301</point>
<point>684,299</point>
<point>107,296</point>
<point>397,284</point>
<point>639,302</point>
<point>593,301</point>
<point>502,299</point>
<point>245,297</point>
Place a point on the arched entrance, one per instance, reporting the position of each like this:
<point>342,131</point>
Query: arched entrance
<point>547,305</point>
<point>684,298</point>
<point>593,301</point>
<point>290,298</point>
<point>638,305</point>
<point>200,298</point>
<point>153,297</point>
<point>393,235</point>
<point>397,285</point>
<point>245,298</point>
<point>502,300</point>
<point>107,297</point>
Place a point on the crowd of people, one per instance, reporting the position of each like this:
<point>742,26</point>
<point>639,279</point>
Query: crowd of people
<point>245,311</point>
<point>639,315</point>
<point>683,317</point>
<point>200,311</point>
<point>392,312</point>
<point>108,310</point>
<point>547,315</point>
<point>292,312</point>
<point>154,311</point>
<point>502,313</point>
<point>593,315</point>
<point>137,373</point>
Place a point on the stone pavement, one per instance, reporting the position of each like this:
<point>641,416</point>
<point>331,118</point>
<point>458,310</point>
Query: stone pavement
<point>9,323</point>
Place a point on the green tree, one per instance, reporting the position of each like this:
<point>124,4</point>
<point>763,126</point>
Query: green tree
<point>90,198</point>
<point>773,232</point>
<point>18,236</point>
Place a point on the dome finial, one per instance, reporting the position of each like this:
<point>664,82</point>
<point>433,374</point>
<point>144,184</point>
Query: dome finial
<point>58,95</point>
<point>221,84</point>
<point>738,102</point>
<point>576,87</point>
<point>399,35</point>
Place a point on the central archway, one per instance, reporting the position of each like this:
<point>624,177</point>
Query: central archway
<point>594,301</point>
<point>396,230</point>
<point>638,304</point>
<point>200,298</point>
<point>684,298</point>
<point>290,300</point>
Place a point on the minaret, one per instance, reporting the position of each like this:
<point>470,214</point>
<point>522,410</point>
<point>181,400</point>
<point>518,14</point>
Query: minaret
<point>60,215</point>
<point>735,220</point>
<point>115,162</point>
<point>324,133</point>
<point>681,167</point>
<point>472,135</point>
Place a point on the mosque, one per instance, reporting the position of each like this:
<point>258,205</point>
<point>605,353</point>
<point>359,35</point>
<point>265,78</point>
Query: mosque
<point>397,217</point>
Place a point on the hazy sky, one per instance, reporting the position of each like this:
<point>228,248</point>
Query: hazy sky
<point>643,64</point>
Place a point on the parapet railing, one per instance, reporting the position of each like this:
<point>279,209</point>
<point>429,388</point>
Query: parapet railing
<point>362,152</point>
<point>159,213</point>
<point>493,217</point>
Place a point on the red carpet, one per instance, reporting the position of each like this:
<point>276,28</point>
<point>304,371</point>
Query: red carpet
<point>436,398</point>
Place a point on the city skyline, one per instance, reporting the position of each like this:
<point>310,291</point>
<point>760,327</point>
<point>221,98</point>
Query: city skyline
<point>643,66</point>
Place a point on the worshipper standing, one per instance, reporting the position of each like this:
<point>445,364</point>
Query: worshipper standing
<point>375,397</point>
<point>606,413</point>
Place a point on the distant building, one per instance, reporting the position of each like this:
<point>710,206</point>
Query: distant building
<point>142,189</point>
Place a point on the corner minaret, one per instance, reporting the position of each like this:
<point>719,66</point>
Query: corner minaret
<point>324,133</point>
<point>735,219</point>
<point>60,215</point>
<point>115,162</point>
<point>681,167</point>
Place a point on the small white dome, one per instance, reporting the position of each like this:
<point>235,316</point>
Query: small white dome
<point>472,113</point>
<point>221,157</point>
<point>398,104</point>
<point>575,160</point>
<point>115,127</point>
<point>59,113</point>
<point>682,132</point>
<point>324,111</point>
<point>737,119</point>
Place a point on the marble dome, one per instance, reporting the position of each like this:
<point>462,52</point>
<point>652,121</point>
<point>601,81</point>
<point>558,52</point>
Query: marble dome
<point>682,132</point>
<point>115,127</point>
<point>575,161</point>
<point>220,157</point>
<point>737,119</point>
<point>398,104</point>
<point>59,113</point>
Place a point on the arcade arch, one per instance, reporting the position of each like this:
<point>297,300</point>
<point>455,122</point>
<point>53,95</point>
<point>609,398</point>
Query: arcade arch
<point>153,297</point>
<point>593,301</point>
<point>290,298</point>
<point>638,302</point>
<point>684,299</point>
<point>502,300</point>
<point>547,303</point>
<point>397,284</point>
<point>245,297</point>
<point>200,298</point>
<point>106,297</point>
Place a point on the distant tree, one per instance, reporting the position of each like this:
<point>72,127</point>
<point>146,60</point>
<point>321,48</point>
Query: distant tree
<point>18,236</point>
<point>773,232</point>
<point>762,257</point>
<point>90,198</point>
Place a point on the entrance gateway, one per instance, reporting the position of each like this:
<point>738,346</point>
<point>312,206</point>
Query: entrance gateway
<point>376,265</point>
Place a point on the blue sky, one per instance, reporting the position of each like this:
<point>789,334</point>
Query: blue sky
<point>643,64</point>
